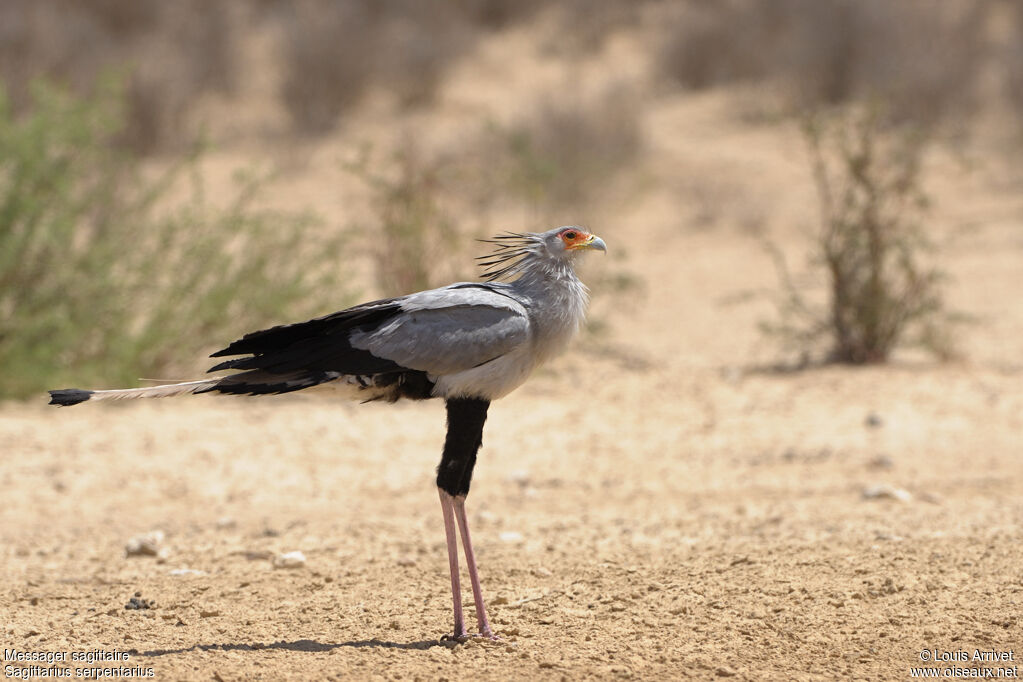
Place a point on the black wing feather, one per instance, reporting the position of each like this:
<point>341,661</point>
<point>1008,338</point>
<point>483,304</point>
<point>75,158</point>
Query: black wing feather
<point>284,335</point>
<point>319,346</point>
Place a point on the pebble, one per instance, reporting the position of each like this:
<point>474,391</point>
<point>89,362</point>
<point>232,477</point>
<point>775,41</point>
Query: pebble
<point>294,559</point>
<point>185,571</point>
<point>137,603</point>
<point>511,537</point>
<point>146,544</point>
<point>887,492</point>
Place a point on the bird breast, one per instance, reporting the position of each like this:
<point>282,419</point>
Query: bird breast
<point>556,317</point>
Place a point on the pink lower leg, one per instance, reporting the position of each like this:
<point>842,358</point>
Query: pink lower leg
<point>446,503</point>
<point>470,559</point>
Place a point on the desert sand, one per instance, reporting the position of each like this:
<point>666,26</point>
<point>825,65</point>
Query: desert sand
<point>670,513</point>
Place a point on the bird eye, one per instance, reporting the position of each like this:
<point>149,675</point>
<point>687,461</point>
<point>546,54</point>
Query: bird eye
<point>570,235</point>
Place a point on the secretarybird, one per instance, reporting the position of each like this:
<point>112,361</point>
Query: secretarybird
<point>468,343</point>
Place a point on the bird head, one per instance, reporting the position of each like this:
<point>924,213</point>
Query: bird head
<point>515,251</point>
<point>565,242</point>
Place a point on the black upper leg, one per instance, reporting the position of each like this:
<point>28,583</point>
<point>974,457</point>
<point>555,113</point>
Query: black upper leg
<point>465,435</point>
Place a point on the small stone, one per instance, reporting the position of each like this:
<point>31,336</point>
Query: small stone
<point>511,537</point>
<point>146,544</point>
<point>209,613</point>
<point>873,421</point>
<point>724,671</point>
<point>887,492</point>
<point>185,572</point>
<point>294,559</point>
<point>136,603</point>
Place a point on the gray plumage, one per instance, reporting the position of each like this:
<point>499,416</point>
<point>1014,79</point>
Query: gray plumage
<point>470,339</point>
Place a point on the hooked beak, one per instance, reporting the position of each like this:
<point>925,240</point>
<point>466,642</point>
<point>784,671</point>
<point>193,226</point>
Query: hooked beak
<point>593,242</point>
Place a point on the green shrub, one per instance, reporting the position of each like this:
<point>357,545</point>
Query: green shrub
<point>870,244</point>
<point>104,279</point>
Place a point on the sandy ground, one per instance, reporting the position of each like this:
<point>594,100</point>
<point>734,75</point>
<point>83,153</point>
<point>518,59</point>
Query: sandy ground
<point>652,506</point>
<point>666,512</point>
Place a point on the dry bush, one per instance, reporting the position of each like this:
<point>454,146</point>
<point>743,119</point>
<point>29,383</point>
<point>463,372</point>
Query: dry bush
<point>920,56</point>
<point>169,52</point>
<point>565,152</point>
<point>1014,54</point>
<point>413,236</point>
<point>328,53</point>
<point>335,51</point>
<point>583,26</point>
<point>498,14</point>
<point>559,160</point>
<point>870,244</point>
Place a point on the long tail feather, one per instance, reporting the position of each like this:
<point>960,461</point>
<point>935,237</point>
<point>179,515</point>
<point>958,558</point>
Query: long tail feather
<point>73,396</point>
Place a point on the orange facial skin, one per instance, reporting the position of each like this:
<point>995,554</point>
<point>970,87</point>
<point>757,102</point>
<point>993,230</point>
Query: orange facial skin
<point>576,238</point>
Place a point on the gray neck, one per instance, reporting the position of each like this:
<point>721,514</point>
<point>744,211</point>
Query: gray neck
<point>557,300</point>
<point>544,273</point>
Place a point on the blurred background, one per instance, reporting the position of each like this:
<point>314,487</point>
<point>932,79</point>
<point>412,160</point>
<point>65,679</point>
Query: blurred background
<point>173,175</point>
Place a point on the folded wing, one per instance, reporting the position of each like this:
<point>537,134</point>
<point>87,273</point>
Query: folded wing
<point>436,332</point>
<point>449,330</point>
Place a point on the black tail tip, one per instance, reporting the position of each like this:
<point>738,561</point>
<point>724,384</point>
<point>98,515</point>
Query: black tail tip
<point>69,396</point>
